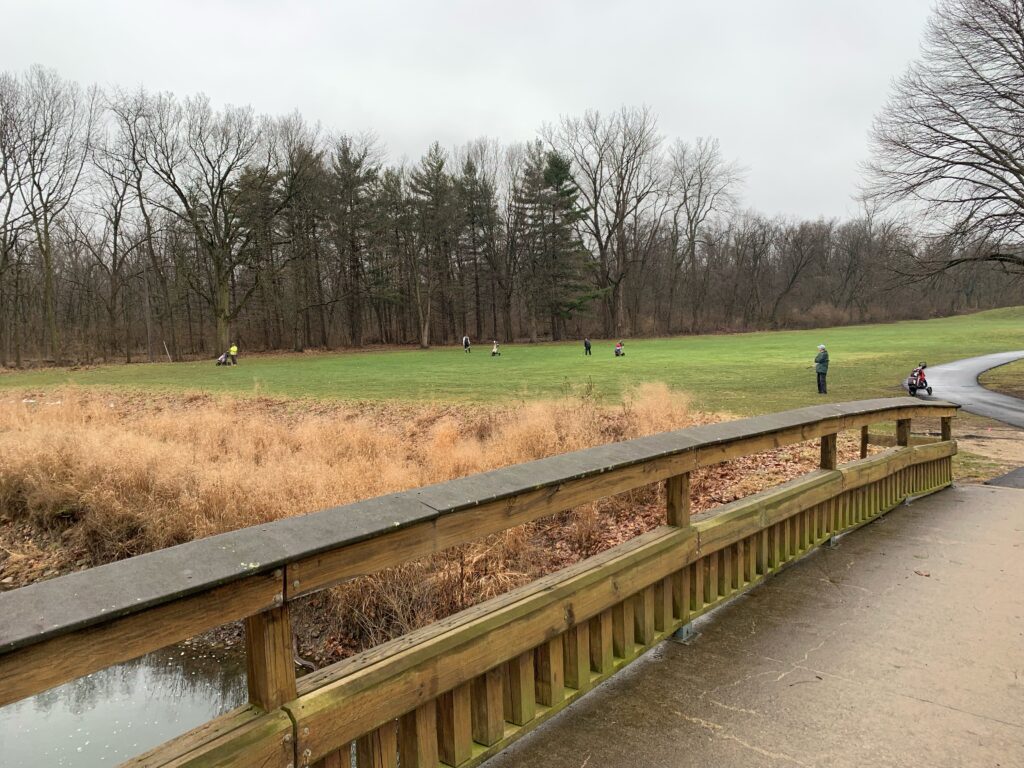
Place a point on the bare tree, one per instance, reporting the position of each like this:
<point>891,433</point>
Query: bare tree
<point>951,138</point>
<point>703,185</point>
<point>617,168</point>
<point>58,131</point>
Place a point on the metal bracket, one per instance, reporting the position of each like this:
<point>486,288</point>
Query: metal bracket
<point>685,635</point>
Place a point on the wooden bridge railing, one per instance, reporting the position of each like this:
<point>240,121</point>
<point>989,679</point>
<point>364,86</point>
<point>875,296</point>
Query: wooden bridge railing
<point>457,691</point>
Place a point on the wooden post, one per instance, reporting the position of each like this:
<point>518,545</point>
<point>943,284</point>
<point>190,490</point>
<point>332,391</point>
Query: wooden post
<point>864,442</point>
<point>487,713</point>
<point>270,669</point>
<point>903,432</point>
<point>947,427</point>
<point>454,725</point>
<point>417,737</point>
<point>828,451</point>
<point>677,491</point>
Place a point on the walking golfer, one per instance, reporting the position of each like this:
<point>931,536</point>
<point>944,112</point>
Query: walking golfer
<point>586,346</point>
<point>233,353</point>
<point>465,343</point>
<point>821,367</point>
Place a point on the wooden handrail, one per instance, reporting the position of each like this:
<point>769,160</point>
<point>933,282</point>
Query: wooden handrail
<point>57,630</point>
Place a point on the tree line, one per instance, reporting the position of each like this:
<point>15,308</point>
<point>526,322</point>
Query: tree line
<point>138,225</point>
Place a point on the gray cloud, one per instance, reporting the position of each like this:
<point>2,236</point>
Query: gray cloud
<point>789,87</point>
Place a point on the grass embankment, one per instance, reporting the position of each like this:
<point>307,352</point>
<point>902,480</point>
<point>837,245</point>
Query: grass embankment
<point>741,374</point>
<point>1008,379</point>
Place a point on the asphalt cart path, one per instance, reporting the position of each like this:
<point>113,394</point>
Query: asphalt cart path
<point>957,382</point>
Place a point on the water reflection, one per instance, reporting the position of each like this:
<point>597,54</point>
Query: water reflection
<point>112,715</point>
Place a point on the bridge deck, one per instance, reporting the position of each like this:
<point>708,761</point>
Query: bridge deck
<point>903,646</point>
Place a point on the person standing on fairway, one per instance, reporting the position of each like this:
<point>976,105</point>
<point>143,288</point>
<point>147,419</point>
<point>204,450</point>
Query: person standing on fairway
<point>821,368</point>
<point>586,345</point>
<point>465,343</point>
<point>233,353</point>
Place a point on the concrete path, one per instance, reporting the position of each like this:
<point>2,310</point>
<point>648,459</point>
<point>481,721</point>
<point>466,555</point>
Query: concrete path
<point>958,383</point>
<point>904,646</point>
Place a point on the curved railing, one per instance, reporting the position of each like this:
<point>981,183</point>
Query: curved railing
<point>459,690</point>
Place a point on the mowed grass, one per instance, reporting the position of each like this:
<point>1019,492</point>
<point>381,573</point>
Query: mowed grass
<point>1008,379</point>
<point>740,373</point>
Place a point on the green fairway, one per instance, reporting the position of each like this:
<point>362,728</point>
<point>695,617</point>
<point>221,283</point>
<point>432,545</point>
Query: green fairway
<point>743,373</point>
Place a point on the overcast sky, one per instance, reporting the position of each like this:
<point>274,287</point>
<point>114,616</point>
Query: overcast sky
<point>788,86</point>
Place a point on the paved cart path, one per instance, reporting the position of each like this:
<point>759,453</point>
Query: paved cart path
<point>957,382</point>
<point>900,647</point>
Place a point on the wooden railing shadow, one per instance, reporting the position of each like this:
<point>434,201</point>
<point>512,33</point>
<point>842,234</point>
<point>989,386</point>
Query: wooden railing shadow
<point>461,689</point>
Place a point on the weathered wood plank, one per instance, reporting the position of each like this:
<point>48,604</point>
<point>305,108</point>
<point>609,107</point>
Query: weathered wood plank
<point>36,668</point>
<point>261,740</point>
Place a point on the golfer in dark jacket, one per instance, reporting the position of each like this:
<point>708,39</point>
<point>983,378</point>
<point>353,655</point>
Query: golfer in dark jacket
<point>821,367</point>
<point>586,346</point>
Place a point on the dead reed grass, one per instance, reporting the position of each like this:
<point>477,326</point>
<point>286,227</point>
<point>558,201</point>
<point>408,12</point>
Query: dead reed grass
<point>110,476</point>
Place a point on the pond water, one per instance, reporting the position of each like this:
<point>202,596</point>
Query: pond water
<point>109,716</point>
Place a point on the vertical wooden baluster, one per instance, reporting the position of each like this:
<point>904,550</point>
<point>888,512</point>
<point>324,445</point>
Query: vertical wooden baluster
<point>725,571</point>
<point>601,650</point>
<point>864,442</point>
<point>663,610</point>
<point>488,712</point>
<point>773,547</point>
<point>520,699</point>
<point>710,578</point>
<point>550,672</point>
<point>762,552</point>
<point>622,628</point>
<point>577,657</point>
<point>377,749</point>
<point>268,655</point>
<point>740,565</point>
<point>643,616</point>
<point>417,737</point>
<point>828,451</point>
<point>455,725</point>
<point>677,505</point>
<point>681,594</point>
<point>697,597</point>
<point>339,758</point>
<point>946,427</point>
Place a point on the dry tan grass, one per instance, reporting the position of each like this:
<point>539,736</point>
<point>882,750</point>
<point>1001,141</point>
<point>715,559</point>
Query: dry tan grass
<point>110,476</point>
<point>131,475</point>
